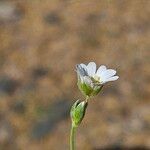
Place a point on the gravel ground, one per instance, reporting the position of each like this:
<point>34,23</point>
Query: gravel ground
<point>41,41</point>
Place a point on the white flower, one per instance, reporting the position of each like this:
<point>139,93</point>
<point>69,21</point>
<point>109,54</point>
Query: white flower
<point>87,74</point>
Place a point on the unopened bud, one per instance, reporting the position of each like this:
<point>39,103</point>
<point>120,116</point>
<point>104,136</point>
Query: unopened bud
<point>77,112</point>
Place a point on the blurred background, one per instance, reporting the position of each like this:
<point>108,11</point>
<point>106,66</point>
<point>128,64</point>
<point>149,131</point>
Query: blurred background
<point>41,41</point>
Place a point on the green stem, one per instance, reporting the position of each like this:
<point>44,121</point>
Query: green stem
<point>72,138</point>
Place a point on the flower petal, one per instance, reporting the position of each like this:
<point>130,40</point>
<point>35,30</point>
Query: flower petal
<point>107,74</point>
<point>101,69</point>
<point>80,70</point>
<point>112,78</point>
<point>91,68</point>
<point>84,66</point>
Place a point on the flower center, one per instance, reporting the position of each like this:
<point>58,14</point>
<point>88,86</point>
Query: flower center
<point>96,78</point>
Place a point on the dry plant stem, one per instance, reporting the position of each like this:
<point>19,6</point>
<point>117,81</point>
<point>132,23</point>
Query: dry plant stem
<point>72,137</point>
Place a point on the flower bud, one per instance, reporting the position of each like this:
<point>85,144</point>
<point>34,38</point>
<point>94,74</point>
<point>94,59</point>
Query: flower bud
<point>77,112</point>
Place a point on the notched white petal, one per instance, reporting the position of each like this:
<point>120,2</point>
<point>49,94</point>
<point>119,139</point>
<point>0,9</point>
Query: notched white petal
<point>80,70</point>
<point>108,73</point>
<point>83,66</point>
<point>112,78</point>
<point>101,69</point>
<point>91,69</point>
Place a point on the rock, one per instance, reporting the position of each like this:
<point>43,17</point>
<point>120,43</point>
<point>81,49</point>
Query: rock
<point>53,18</point>
<point>8,12</point>
<point>8,85</point>
<point>39,72</point>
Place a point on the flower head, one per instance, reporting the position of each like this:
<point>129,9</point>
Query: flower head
<point>90,80</point>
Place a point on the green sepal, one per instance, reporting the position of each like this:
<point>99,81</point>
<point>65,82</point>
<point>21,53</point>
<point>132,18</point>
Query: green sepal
<point>97,90</point>
<point>85,89</point>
